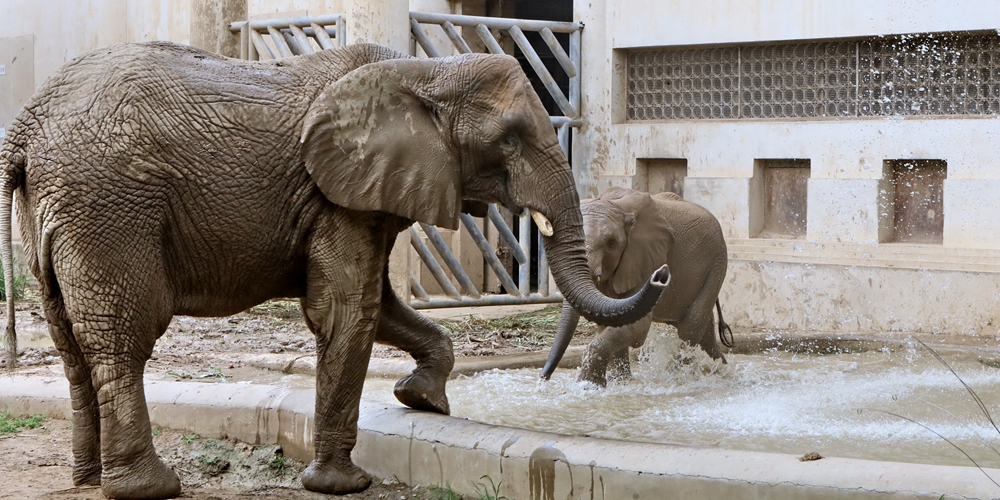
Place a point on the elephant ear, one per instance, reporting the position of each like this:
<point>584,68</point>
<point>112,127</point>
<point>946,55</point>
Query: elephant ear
<point>650,239</point>
<point>370,142</point>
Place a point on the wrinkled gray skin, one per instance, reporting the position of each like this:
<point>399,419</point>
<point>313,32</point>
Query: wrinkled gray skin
<point>155,179</point>
<point>627,233</point>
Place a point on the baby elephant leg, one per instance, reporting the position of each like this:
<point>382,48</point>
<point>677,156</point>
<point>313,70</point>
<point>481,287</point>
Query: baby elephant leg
<point>611,348</point>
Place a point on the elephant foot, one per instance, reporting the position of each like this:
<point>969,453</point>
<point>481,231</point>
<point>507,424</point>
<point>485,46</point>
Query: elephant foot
<point>327,478</point>
<point>620,370</point>
<point>87,474</point>
<point>422,391</point>
<point>148,478</point>
<point>594,377</point>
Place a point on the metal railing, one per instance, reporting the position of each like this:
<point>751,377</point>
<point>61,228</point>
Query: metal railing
<point>489,30</point>
<point>294,36</point>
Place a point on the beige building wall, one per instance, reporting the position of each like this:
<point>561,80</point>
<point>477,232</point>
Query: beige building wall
<point>846,181</point>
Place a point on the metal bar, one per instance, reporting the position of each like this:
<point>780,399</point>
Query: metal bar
<point>449,259</point>
<point>456,38</point>
<point>557,50</point>
<point>506,234</point>
<point>489,254</point>
<point>279,42</point>
<point>487,36</point>
<point>543,74</point>
<point>432,264</point>
<point>417,290</point>
<point>487,300</point>
<point>293,44</point>
<point>286,22</point>
<point>558,121</point>
<point>421,37</point>
<point>500,23</point>
<point>563,134</point>
<point>543,268</point>
<point>260,45</point>
<point>308,30</point>
<point>300,36</point>
<point>341,32</point>
<point>524,270</point>
<point>574,82</point>
<point>322,37</point>
<point>245,43</point>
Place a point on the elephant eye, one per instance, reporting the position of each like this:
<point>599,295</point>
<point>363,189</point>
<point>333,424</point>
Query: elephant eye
<point>612,244</point>
<point>511,140</point>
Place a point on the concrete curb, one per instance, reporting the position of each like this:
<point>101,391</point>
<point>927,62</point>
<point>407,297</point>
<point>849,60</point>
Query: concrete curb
<point>424,448</point>
<point>401,367</point>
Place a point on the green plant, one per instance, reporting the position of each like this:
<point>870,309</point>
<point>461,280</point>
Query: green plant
<point>489,493</point>
<point>444,493</point>
<point>278,463</point>
<point>207,460</point>
<point>189,438</point>
<point>214,372</point>
<point>11,425</point>
<point>157,431</point>
<point>180,375</point>
<point>20,284</point>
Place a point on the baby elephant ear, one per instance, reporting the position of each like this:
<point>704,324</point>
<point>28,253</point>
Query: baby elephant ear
<point>371,143</point>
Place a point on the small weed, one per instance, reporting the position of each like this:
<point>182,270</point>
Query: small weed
<point>181,376</point>
<point>11,425</point>
<point>20,284</point>
<point>189,438</point>
<point>278,463</point>
<point>207,460</point>
<point>491,492</point>
<point>157,431</point>
<point>215,372</point>
<point>444,493</point>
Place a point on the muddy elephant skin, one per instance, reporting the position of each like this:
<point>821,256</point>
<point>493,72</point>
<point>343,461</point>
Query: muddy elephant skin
<point>628,232</point>
<point>155,179</point>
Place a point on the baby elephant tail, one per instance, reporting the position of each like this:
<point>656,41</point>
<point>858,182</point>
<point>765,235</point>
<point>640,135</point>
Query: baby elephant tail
<point>725,333</point>
<point>12,171</point>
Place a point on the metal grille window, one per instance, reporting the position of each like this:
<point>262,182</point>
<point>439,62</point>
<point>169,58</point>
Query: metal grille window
<point>926,74</point>
<point>697,83</point>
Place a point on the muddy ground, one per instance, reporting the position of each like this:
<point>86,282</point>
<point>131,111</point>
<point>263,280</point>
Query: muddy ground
<point>39,461</point>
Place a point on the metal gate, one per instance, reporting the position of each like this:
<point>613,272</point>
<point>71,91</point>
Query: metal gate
<point>278,38</point>
<point>490,31</point>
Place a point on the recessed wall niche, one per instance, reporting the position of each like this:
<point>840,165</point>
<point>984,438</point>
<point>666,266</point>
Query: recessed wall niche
<point>778,203</point>
<point>912,208</point>
<point>660,175</point>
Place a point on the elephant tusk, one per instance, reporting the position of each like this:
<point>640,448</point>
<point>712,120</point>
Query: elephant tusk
<point>544,226</point>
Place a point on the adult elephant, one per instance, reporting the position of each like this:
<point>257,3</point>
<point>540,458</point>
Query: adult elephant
<point>629,233</point>
<point>155,179</point>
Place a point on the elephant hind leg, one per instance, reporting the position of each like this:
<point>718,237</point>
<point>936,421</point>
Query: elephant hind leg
<point>118,310</point>
<point>698,329</point>
<point>86,418</point>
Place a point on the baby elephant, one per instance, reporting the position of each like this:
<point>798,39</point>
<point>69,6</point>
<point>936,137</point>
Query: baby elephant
<point>629,235</point>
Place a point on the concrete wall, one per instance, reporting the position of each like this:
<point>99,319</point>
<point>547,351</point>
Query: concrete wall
<point>845,190</point>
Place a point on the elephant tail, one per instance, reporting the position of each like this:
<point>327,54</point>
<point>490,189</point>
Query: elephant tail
<point>725,333</point>
<point>12,170</point>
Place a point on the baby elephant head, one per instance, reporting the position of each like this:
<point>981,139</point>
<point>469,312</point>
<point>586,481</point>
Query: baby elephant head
<point>607,230</point>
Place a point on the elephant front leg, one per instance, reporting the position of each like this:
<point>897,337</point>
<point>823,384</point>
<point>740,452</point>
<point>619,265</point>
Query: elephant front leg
<point>402,327</point>
<point>609,350</point>
<point>341,306</point>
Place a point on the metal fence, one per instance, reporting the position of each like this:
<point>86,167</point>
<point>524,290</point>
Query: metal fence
<point>295,36</point>
<point>490,31</point>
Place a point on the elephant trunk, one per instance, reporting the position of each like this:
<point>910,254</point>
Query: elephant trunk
<point>568,320</point>
<point>568,263</point>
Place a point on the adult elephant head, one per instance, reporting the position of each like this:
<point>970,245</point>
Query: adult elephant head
<point>418,137</point>
<point>155,179</point>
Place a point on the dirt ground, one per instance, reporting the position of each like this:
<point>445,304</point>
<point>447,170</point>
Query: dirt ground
<point>38,462</point>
